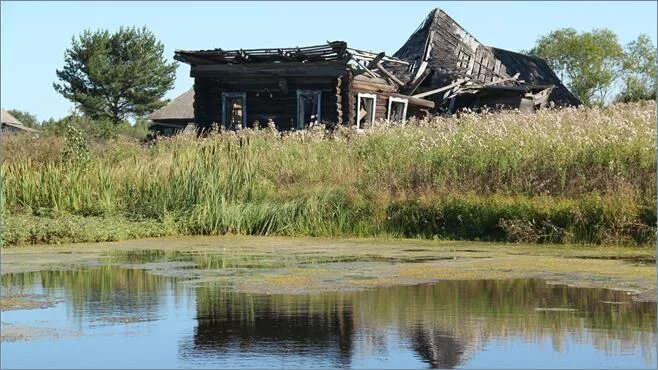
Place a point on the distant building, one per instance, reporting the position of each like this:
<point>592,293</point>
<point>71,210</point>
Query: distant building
<point>175,116</point>
<point>9,124</point>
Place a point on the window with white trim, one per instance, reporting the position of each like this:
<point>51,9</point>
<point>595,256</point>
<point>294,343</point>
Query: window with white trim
<point>365,110</point>
<point>234,110</point>
<point>397,109</point>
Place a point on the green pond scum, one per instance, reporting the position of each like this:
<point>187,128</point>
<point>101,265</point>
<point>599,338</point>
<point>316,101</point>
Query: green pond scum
<point>303,265</point>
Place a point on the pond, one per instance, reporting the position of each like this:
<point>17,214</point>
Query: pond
<point>110,316</point>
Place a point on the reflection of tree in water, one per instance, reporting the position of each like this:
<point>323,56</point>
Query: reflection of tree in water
<point>443,322</point>
<point>99,292</point>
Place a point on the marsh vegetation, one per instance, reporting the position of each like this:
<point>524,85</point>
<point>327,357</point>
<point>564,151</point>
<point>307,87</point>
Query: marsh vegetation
<point>583,175</point>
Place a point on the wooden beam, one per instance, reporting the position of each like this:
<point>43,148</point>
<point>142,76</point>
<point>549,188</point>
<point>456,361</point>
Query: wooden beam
<point>366,55</point>
<point>444,88</point>
<point>501,80</point>
<point>389,74</point>
<point>374,63</point>
<point>416,101</point>
<point>418,81</point>
<point>270,69</point>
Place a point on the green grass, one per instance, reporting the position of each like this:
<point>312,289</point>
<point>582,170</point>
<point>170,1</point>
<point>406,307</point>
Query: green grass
<point>560,176</point>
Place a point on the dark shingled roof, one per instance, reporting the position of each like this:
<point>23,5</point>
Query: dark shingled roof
<point>452,53</point>
<point>181,108</point>
<point>536,71</point>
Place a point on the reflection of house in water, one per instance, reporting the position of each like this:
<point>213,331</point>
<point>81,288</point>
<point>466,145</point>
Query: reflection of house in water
<point>227,321</point>
<point>440,349</point>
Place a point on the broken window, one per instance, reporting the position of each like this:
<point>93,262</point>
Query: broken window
<point>365,108</point>
<point>234,107</point>
<point>397,109</point>
<point>308,108</point>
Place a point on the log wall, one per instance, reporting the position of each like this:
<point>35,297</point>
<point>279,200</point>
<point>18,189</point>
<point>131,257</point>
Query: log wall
<point>265,99</point>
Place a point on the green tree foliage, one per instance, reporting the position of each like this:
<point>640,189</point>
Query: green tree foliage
<point>114,76</point>
<point>26,118</point>
<point>588,62</point>
<point>639,77</point>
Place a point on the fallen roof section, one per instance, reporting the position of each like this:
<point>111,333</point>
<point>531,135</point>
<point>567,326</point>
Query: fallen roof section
<point>451,53</point>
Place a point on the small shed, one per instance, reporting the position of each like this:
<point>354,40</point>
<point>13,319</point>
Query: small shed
<point>175,116</point>
<point>9,124</point>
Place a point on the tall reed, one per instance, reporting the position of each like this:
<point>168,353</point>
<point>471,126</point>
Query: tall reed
<point>519,171</point>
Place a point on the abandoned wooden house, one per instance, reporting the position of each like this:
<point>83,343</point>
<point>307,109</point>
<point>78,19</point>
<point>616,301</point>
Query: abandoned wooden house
<point>296,87</point>
<point>450,67</point>
<point>440,69</point>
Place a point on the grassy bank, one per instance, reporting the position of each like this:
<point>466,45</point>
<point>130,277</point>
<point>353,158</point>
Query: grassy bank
<point>567,176</point>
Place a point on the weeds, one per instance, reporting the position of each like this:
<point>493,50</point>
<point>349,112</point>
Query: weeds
<point>584,175</point>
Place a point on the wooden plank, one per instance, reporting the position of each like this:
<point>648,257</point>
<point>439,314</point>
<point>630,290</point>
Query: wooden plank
<point>444,88</point>
<point>420,77</point>
<point>375,62</point>
<point>366,55</point>
<point>269,69</point>
<point>501,80</point>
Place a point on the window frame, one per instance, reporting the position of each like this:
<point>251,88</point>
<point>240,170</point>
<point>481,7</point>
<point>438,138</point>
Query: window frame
<point>300,124</point>
<point>228,95</point>
<point>358,107</point>
<point>393,99</point>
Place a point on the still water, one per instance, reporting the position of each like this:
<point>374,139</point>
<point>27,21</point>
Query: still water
<point>112,317</point>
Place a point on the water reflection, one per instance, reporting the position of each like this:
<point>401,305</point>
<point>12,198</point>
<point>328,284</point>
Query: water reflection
<point>96,293</point>
<point>442,325</point>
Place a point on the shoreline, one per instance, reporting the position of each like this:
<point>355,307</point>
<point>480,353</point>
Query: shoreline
<point>282,265</point>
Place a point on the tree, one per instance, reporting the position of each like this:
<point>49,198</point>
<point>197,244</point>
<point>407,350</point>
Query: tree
<point>116,75</point>
<point>26,118</point>
<point>588,62</point>
<point>639,73</point>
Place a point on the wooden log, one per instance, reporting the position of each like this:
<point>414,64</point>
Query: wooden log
<point>444,88</point>
<point>415,101</point>
<point>418,81</point>
<point>371,87</point>
<point>269,69</point>
<point>389,74</point>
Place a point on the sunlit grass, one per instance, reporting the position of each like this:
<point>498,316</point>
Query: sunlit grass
<point>572,175</point>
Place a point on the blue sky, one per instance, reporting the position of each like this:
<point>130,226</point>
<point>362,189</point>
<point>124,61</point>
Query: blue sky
<point>34,35</point>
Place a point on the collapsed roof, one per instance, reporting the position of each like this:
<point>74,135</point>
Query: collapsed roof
<point>441,53</point>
